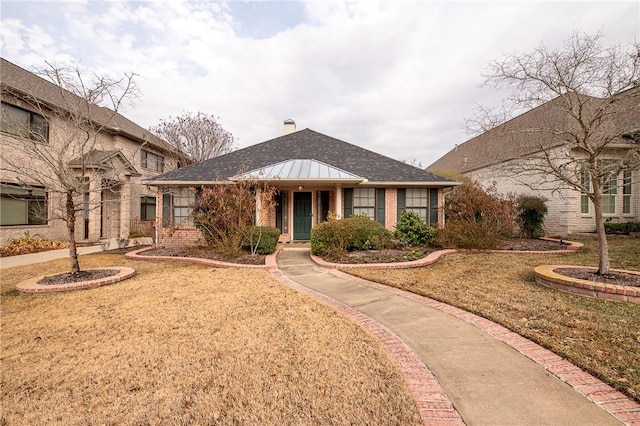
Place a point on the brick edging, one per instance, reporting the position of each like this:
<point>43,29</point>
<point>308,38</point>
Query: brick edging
<point>425,261</point>
<point>605,396</point>
<point>31,285</point>
<point>545,275</point>
<point>270,260</point>
<point>432,402</point>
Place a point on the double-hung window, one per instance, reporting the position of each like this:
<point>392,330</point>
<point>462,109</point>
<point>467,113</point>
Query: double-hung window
<point>20,122</point>
<point>177,205</point>
<point>616,192</point>
<point>22,206</point>
<point>147,208</point>
<point>417,201</point>
<point>152,161</point>
<point>365,201</point>
<point>422,201</point>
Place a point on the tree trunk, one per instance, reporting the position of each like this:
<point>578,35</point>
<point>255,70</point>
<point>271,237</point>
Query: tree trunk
<point>71,229</point>
<point>603,247</point>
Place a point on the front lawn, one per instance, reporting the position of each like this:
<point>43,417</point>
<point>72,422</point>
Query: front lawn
<point>187,344</point>
<point>602,337</point>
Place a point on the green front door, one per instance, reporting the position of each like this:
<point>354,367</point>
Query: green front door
<point>302,216</point>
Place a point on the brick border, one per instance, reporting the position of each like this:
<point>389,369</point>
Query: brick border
<point>270,260</point>
<point>605,396</point>
<point>572,247</point>
<point>425,261</point>
<point>31,285</point>
<point>433,404</point>
<point>546,276</point>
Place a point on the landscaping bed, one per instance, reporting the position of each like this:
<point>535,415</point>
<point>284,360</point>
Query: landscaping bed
<point>202,252</point>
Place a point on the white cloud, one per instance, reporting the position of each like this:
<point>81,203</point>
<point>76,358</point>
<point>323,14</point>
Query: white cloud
<point>394,77</point>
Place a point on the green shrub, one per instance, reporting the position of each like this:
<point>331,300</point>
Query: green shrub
<point>621,228</point>
<point>412,230</point>
<point>262,239</point>
<point>354,233</point>
<point>530,212</point>
<point>367,234</point>
<point>331,237</point>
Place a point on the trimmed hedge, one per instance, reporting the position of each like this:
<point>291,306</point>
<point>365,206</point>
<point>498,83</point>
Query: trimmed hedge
<point>266,238</point>
<point>354,233</point>
<point>621,228</point>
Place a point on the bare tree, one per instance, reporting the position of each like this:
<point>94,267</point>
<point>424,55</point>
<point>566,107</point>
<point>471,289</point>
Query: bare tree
<point>64,150</point>
<point>195,137</point>
<point>584,130</point>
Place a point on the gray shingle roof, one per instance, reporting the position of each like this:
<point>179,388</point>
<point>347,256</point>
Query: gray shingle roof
<point>28,85</point>
<point>304,144</point>
<point>526,134</point>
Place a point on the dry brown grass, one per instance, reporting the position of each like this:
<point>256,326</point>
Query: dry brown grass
<point>185,344</point>
<point>602,337</point>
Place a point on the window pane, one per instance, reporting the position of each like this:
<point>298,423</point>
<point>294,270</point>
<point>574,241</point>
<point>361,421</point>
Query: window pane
<point>22,206</point>
<point>422,212</point>
<point>584,204</point>
<point>15,121</point>
<point>626,192</point>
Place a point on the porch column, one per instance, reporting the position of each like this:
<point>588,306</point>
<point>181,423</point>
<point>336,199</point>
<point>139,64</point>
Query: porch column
<point>338,201</point>
<point>125,208</point>
<point>258,206</point>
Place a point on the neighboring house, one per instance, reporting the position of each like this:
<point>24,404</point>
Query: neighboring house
<point>34,107</point>
<point>498,158</point>
<point>314,175</point>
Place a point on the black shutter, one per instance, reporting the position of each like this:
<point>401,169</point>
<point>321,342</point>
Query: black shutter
<point>402,202</point>
<point>433,207</point>
<point>167,219</point>
<point>380,205</point>
<point>348,202</point>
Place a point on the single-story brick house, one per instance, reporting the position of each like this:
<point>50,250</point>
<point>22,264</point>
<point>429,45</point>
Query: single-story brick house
<point>314,174</point>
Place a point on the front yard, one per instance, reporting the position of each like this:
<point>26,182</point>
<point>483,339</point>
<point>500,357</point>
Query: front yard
<point>602,337</point>
<point>187,344</point>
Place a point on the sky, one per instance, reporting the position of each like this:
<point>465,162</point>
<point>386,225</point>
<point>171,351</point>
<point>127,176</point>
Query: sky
<point>396,77</point>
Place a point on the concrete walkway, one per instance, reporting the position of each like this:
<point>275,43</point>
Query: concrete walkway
<point>488,381</point>
<point>44,256</point>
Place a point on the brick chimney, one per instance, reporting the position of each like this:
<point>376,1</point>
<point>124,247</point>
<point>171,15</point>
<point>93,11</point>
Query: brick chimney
<point>289,126</point>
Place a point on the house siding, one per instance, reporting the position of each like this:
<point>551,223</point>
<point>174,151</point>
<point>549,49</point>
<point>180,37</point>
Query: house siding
<point>126,202</point>
<point>563,216</point>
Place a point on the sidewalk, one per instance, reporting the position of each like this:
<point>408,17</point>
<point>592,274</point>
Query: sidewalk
<point>45,256</point>
<point>489,382</point>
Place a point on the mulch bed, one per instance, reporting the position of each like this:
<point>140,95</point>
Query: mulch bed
<point>378,256</point>
<point>68,277</point>
<point>615,278</point>
<point>526,244</point>
<point>244,258</point>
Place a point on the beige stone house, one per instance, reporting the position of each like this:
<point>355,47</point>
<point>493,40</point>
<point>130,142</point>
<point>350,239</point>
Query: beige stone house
<point>507,157</point>
<point>314,174</point>
<point>121,155</point>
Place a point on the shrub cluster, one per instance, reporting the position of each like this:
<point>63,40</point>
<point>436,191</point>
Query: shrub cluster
<point>621,228</point>
<point>413,231</point>
<point>264,239</point>
<point>354,233</point>
<point>531,211</point>
<point>31,244</point>
<point>475,218</point>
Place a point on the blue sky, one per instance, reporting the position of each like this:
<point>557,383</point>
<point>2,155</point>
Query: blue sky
<point>397,77</point>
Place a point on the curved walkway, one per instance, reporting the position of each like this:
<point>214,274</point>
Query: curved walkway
<point>490,375</point>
